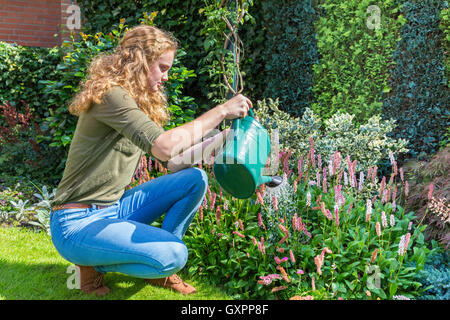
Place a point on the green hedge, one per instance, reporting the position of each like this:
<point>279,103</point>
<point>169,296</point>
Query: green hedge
<point>21,69</point>
<point>290,53</point>
<point>419,96</point>
<point>355,56</point>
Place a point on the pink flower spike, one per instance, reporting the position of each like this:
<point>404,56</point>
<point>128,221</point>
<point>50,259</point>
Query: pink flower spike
<point>283,239</point>
<point>378,229</point>
<point>291,254</point>
<point>239,234</point>
<point>283,228</point>
<point>218,214</point>
<point>275,203</point>
<point>300,271</point>
<point>260,223</point>
<point>430,191</point>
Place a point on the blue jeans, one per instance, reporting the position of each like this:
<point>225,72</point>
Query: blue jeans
<point>119,238</point>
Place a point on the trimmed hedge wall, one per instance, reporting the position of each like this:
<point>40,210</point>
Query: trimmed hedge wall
<point>419,96</point>
<point>21,69</point>
<point>355,56</point>
<point>290,53</point>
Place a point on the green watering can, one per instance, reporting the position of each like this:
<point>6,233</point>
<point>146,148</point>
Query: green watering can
<point>238,168</point>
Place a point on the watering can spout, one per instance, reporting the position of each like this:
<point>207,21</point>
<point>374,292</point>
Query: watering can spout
<point>272,182</point>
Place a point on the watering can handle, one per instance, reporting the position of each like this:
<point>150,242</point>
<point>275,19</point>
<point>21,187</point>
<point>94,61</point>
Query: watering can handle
<point>235,123</point>
<point>250,111</point>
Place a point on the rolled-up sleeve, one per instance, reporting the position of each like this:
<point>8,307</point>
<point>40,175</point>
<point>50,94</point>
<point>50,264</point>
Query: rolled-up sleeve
<point>120,112</point>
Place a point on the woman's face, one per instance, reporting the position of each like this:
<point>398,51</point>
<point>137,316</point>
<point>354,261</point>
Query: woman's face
<point>159,70</point>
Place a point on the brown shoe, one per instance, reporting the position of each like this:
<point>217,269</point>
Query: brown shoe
<point>173,282</point>
<point>91,281</point>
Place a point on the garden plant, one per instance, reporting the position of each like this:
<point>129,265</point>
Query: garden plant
<point>357,112</point>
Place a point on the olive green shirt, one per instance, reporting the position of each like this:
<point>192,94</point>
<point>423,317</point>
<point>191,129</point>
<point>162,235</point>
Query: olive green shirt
<point>109,141</point>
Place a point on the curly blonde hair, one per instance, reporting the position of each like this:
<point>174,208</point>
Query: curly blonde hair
<point>128,67</point>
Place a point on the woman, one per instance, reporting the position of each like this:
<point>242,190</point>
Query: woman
<point>122,109</point>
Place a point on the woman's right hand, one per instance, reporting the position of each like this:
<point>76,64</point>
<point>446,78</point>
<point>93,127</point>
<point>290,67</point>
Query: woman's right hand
<point>237,107</point>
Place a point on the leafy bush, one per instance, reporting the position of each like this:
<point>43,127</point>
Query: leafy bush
<point>290,53</point>
<point>21,156</point>
<point>368,143</point>
<point>308,240</point>
<point>21,69</point>
<point>16,211</point>
<point>429,193</point>
<point>419,95</point>
<point>355,56</point>
<point>435,277</point>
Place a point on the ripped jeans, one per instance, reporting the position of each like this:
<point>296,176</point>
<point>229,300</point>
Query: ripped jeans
<point>119,238</point>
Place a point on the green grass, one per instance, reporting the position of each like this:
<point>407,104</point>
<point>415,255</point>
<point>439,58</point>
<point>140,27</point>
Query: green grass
<point>32,269</point>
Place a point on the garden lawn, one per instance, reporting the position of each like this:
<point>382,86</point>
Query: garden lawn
<point>31,268</point>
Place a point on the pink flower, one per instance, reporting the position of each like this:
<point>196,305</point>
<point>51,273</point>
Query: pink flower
<point>308,199</point>
<point>300,165</point>
<point>430,191</point>
<point>278,260</point>
<point>259,196</point>
<point>313,284</point>
<point>260,223</point>
<point>337,162</point>
<point>265,280</point>
<point>283,239</point>
<point>213,201</point>
<point>275,203</point>
<point>401,246</point>
<point>382,185</point>
<point>336,215</point>
<point>300,271</point>
<point>261,246</point>
<point>407,238</point>
<point>292,255</point>
<point>283,228</point>
<point>368,210</point>
<point>392,220</point>
<point>201,213</point>
<point>218,214</point>
<point>295,185</point>
<point>378,229</point>
<point>294,221</point>
<point>401,174</point>
<point>383,219</point>
<point>361,181</point>
<point>238,234</point>
<point>241,225</point>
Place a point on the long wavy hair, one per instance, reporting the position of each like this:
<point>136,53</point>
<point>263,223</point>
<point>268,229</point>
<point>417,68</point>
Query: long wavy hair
<point>128,67</point>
